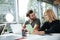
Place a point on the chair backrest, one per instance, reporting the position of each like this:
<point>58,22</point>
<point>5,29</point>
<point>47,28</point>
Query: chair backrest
<point>16,28</point>
<point>1,28</point>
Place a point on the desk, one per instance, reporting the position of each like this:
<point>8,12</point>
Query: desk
<point>30,37</point>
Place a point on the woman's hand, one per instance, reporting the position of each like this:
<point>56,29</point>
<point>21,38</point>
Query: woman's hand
<point>38,32</point>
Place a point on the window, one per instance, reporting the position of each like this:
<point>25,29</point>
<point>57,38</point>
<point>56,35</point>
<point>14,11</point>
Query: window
<point>22,4</point>
<point>7,6</point>
<point>58,12</point>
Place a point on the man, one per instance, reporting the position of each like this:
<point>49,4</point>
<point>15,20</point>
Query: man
<point>35,22</point>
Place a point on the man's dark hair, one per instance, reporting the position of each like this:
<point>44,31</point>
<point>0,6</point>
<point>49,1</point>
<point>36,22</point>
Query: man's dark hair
<point>29,12</point>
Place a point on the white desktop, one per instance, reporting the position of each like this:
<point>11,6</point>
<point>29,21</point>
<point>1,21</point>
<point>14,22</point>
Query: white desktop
<point>16,35</point>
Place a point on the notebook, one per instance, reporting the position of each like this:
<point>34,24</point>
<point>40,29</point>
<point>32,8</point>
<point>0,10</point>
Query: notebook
<point>29,27</point>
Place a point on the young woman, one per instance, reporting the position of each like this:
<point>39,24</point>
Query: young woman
<point>51,24</point>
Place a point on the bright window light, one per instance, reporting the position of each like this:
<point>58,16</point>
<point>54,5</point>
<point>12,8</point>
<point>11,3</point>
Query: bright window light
<point>43,5</point>
<point>9,17</point>
<point>23,8</point>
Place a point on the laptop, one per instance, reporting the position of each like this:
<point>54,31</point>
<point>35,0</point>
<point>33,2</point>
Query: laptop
<point>16,28</point>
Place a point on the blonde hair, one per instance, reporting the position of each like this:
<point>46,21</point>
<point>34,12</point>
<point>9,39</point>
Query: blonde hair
<point>50,14</point>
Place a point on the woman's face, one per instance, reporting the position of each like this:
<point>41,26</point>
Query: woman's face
<point>46,16</point>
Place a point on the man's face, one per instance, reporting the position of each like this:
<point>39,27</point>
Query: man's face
<point>32,16</point>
